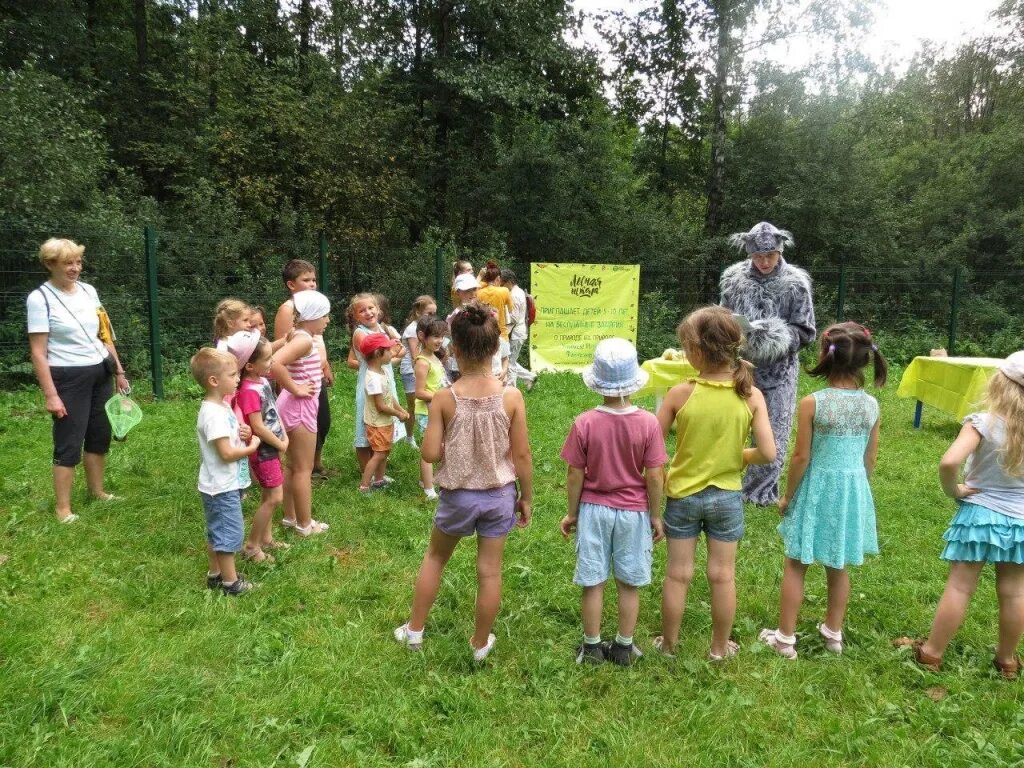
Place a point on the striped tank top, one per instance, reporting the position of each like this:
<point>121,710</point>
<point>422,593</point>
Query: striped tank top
<point>308,368</point>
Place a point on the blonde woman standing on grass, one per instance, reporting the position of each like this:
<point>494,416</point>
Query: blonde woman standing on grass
<point>73,354</point>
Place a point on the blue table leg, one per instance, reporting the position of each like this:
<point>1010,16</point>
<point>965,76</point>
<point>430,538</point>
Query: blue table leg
<point>917,414</point>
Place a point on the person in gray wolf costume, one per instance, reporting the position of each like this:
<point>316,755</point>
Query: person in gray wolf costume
<point>775,298</point>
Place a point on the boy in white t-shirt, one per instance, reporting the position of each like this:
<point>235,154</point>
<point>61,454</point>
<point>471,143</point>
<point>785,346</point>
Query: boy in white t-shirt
<point>222,473</point>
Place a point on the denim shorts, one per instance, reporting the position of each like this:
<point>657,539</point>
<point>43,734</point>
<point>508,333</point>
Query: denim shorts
<point>489,513</point>
<point>224,520</point>
<point>421,422</point>
<point>717,512</point>
<point>409,382</point>
<point>609,539</point>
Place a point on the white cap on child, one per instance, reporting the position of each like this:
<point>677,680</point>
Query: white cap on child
<point>1013,367</point>
<point>466,282</point>
<point>242,344</point>
<point>311,305</point>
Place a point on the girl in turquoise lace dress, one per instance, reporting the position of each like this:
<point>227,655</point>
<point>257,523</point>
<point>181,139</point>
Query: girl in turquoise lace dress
<point>828,511</point>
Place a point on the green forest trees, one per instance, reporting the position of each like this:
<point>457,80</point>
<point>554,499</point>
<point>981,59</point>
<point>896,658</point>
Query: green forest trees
<point>245,128</point>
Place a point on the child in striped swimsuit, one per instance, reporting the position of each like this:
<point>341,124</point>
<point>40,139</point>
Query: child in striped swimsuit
<point>298,369</point>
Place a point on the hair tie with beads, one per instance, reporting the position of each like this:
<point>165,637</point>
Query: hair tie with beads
<point>874,347</point>
<point>831,349</point>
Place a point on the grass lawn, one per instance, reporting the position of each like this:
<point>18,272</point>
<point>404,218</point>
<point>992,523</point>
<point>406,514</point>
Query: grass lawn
<point>113,653</point>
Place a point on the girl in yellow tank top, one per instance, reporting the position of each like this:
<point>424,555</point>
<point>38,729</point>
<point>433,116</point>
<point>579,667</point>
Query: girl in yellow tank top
<point>714,415</point>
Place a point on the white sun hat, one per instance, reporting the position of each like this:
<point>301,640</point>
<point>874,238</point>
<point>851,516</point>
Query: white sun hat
<point>465,282</point>
<point>1013,367</point>
<point>615,371</point>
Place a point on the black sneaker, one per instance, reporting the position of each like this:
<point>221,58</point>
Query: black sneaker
<point>238,587</point>
<point>212,582</point>
<point>590,653</point>
<point>621,655</point>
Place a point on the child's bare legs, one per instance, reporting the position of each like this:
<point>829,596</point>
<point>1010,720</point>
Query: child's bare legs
<point>1010,589</point>
<point>428,581</point>
<point>298,478</point>
<point>222,563</point>
<point>678,575</point>
<point>259,531</point>
<point>838,597</point>
<point>273,497</point>
<point>722,583</point>
<point>792,595</point>
<point>374,468</point>
<point>426,474</point>
<point>363,455</point>
<point>960,586</point>
<point>592,608</point>
<point>410,408</point>
<point>629,608</point>
<point>489,553</point>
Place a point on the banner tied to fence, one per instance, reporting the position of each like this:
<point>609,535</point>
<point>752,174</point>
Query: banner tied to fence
<point>577,306</point>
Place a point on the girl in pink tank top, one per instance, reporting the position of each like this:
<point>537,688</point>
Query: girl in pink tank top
<point>476,429</point>
<point>297,368</point>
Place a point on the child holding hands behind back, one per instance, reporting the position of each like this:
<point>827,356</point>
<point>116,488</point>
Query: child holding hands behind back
<point>988,526</point>
<point>477,431</point>
<point>828,511</point>
<point>713,415</point>
<point>380,408</point>
<point>221,448</point>
<point>616,456</point>
<point>256,402</point>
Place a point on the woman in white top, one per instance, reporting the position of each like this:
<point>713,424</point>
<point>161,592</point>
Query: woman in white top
<point>74,358</point>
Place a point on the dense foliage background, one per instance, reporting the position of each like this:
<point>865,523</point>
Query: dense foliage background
<point>243,129</point>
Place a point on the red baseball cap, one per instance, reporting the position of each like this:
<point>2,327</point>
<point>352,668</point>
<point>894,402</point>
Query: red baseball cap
<point>374,341</point>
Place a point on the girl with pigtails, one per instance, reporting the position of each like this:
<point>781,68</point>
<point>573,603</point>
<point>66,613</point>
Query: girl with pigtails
<point>774,298</point>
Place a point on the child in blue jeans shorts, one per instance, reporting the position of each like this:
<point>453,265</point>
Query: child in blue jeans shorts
<point>714,415</point>
<point>616,456</point>
<point>222,473</point>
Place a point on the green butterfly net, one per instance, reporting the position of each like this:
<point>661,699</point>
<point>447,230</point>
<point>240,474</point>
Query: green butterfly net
<point>123,413</point>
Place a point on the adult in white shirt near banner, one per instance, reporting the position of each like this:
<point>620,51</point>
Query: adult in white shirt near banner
<point>517,330</point>
<point>74,367</point>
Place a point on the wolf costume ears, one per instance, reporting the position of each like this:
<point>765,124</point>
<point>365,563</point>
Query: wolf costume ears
<point>762,238</point>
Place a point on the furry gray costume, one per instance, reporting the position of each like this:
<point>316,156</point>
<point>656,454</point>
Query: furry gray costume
<point>781,314</point>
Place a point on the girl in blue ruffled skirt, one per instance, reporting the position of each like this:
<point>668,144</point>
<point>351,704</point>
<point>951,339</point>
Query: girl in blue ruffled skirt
<point>988,526</point>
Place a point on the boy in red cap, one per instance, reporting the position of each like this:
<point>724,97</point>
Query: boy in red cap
<point>380,409</point>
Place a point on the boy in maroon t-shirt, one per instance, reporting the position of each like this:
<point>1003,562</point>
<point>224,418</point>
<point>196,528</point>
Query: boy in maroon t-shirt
<point>616,456</point>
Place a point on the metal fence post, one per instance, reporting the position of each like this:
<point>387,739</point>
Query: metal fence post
<point>954,310</point>
<point>841,294</point>
<point>321,267</point>
<point>439,293</point>
<point>156,364</point>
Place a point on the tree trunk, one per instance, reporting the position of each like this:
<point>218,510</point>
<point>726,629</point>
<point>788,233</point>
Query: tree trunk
<point>305,30</point>
<point>716,176</point>
<point>442,101</point>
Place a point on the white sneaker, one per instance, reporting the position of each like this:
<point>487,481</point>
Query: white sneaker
<point>770,637</point>
<point>403,635</point>
<point>431,494</point>
<point>479,654</point>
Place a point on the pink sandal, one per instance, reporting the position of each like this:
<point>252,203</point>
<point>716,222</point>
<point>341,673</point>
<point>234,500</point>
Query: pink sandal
<point>312,529</point>
<point>731,649</point>
<point>783,645</point>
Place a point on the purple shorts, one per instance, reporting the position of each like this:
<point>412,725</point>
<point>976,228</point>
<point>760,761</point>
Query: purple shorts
<point>267,473</point>
<point>489,513</point>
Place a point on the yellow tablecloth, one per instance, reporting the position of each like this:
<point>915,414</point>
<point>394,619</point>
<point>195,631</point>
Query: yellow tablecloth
<point>951,384</point>
<point>665,374</point>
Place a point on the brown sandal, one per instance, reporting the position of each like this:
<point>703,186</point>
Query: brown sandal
<point>933,663</point>
<point>1010,671</point>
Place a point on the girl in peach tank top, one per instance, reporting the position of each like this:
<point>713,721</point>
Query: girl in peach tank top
<point>476,429</point>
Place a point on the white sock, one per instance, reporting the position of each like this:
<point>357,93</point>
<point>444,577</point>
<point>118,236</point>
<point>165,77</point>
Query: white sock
<point>619,639</point>
<point>591,640</point>
<point>413,637</point>
<point>831,634</point>
<point>785,639</point>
